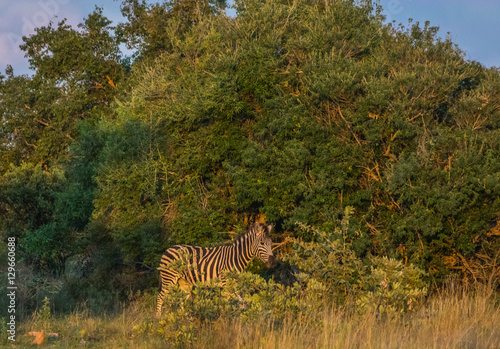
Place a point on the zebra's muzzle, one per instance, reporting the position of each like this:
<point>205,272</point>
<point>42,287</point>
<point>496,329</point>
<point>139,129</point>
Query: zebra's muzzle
<point>271,262</point>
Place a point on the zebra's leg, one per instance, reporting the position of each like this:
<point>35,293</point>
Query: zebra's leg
<point>159,301</point>
<point>167,279</point>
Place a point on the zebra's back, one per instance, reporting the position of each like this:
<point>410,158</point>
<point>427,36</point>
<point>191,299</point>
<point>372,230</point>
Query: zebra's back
<point>194,263</point>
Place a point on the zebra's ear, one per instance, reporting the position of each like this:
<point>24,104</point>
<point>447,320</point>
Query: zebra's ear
<point>269,227</point>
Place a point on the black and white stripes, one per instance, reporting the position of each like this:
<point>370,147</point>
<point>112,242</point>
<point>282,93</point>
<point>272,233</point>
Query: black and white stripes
<point>188,265</point>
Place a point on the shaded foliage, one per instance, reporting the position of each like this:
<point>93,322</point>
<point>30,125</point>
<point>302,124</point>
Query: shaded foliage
<point>290,111</point>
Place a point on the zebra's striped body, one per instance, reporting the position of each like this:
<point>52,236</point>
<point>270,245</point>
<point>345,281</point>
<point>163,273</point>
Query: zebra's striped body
<point>204,264</point>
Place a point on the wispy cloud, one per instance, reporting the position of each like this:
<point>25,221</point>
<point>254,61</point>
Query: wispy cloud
<point>9,54</point>
<point>21,17</point>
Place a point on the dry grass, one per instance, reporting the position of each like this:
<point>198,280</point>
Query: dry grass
<point>455,318</point>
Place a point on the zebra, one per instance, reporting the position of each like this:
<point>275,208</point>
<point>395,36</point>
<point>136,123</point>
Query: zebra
<point>205,264</point>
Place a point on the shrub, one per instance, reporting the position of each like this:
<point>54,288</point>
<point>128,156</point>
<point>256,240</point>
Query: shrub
<point>330,259</point>
<point>379,283</point>
<point>246,296</point>
<point>391,287</point>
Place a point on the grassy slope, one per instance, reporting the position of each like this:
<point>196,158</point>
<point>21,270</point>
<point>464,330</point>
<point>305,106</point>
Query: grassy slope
<point>451,319</point>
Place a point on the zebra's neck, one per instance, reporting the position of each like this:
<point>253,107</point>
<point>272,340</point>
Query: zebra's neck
<point>243,251</point>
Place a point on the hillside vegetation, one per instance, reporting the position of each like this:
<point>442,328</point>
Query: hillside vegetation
<point>373,149</point>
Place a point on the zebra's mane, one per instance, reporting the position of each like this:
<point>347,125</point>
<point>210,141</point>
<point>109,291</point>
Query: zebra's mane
<point>249,230</point>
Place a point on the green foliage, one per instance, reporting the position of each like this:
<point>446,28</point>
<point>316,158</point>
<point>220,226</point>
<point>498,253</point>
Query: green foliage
<point>330,258</point>
<point>14,98</point>
<point>151,27</point>
<point>46,212</point>
<point>44,317</point>
<point>291,111</point>
<point>40,113</point>
<point>246,296</point>
<point>383,284</point>
<point>392,287</point>
<point>177,327</point>
<point>27,196</point>
<point>259,300</point>
<point>296,110</point>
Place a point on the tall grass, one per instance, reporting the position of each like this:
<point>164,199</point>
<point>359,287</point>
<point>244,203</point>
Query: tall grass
<point>453,318</point>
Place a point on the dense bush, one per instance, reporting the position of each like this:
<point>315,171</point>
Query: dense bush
<point>377,283</point>
<point>290,111</point>
<point>247,297</point>
<point>330,276</point>
<point>295,111</point>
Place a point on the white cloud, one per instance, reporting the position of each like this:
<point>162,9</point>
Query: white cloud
<point>20,18</point>
<point>10,52</point>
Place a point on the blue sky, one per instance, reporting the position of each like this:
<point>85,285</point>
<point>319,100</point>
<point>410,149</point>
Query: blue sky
<point>473,25</point>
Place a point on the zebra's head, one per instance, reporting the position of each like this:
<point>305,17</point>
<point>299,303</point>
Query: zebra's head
<point>263,244</point>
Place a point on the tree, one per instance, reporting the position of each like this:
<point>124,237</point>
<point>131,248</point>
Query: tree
<point>295,110</point>
<point>155,29</point>
<point>40,113</point>
<point>76,78</point>
<point>14,97</point>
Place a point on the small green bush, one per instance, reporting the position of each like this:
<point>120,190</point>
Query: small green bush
<point>246,296</point>
<point>392,287</point>
<point>330,259</point>
<point>43,317</point>
<point>379,283</point>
